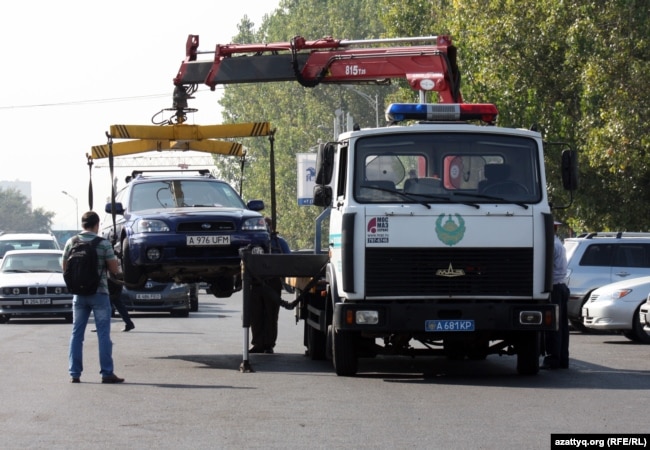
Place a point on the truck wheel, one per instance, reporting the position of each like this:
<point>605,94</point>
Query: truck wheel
<point>134,278</point>
<point>344,352</point>
<point>527,348</point>
<point>328,343</point>
<point>4,318</point>
<point>316,343</point>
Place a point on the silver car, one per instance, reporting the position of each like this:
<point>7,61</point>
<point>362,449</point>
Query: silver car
<point>617,306</point>
<point>31,284</point>
<point>597,259</point>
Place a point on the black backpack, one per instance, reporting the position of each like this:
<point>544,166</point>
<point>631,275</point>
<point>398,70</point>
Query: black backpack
<point>81,273</point>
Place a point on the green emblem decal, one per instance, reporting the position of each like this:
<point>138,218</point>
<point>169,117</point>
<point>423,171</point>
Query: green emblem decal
<point>450,233</point>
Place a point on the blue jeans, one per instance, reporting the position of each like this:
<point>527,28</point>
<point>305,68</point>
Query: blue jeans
<point>100,306</point>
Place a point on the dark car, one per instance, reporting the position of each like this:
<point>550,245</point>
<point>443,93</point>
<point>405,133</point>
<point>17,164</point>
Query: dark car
<point>184,228</point>
<point>177,298</point>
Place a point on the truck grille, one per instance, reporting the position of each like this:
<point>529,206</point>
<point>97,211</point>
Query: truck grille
<point>412,272</point>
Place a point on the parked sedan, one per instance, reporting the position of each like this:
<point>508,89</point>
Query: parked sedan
<point>176,298</point>
<point>616,307</point>
<point>31,284</point>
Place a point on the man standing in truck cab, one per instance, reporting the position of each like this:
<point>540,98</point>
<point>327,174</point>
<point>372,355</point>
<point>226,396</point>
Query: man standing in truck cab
<point>557,342</point>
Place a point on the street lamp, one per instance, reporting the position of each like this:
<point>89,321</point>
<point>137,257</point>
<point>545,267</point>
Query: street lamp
<point>373,102</point>
<point>76,204</point>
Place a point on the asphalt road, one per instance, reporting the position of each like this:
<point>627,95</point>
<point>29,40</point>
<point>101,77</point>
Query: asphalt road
<point>184,389</point>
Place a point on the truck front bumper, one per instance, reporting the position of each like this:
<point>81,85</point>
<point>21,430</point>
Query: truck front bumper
<point>432,317</point>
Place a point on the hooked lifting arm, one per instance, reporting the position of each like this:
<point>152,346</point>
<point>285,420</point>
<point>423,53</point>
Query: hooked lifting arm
<point>426,67</point>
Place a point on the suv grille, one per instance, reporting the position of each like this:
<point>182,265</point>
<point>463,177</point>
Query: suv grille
<point>412,271</point>
<point>201,227</point>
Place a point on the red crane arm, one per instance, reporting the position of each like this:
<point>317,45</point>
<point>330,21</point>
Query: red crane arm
<point>427,67</point>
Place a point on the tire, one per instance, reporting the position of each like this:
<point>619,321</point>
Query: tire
<point>328,343</point>
<point>638,334</point>
<point>194,299</point>
<point>316,343</point>
<point>68,317</point>
<point>527,348</point>
<point>4,318</point>
<point>579,326</point>
<point>344,352</point>
<point>180,313</point>
<point>222,287</point>
<point>134,277</point>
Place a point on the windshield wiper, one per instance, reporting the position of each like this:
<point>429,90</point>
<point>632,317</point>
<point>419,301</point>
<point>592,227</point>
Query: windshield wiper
<point>491,197</point>
<point>394,191</point>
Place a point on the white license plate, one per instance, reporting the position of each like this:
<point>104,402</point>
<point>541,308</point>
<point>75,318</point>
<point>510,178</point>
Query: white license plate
<point>205,241</point>
<point>37,301</point>
<point>448,325</point>
<point>148,296</point>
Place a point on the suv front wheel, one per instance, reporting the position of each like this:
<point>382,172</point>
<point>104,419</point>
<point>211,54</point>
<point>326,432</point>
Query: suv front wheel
<point>134,278</point>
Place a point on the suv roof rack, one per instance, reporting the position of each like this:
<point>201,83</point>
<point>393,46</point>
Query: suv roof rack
<point>614,234</point>
<point>138,173</point>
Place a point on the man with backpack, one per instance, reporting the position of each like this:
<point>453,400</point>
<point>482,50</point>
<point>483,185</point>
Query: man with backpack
<point>90,289</point>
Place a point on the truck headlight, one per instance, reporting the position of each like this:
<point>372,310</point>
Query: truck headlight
<point>367,317</point>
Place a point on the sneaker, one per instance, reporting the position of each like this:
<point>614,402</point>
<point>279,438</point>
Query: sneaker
<point>128,327</point>
<point>75,380</point>
<point>112,378</point>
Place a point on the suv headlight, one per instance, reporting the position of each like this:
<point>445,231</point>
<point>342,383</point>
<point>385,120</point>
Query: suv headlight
<point>150,226</point>
<point>254,224</point>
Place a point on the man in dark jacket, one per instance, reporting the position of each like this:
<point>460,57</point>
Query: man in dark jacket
<point>265,308</point>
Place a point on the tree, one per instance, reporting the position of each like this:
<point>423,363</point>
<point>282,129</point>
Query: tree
<point>16,214</point>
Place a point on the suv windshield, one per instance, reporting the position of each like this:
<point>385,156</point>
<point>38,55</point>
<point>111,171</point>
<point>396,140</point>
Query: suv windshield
<point>183,193</point>
<point>447,167</point>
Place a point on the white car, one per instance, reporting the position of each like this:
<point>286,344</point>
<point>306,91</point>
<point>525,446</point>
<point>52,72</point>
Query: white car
<point>616,307</point>
<point>31,284</point>
<point>27,241</point>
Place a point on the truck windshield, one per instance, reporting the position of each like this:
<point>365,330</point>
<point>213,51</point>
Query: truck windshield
<point>446,167</point>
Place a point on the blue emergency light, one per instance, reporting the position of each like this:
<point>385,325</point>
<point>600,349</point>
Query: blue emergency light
<point>397,112</point>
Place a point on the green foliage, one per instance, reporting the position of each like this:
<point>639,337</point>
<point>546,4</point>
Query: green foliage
<point>16,214</point>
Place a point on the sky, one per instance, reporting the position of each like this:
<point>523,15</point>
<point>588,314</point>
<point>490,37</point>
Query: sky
<point>73,68</point>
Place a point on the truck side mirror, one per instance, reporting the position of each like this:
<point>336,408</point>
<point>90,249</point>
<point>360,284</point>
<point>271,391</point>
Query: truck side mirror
<point>570,169</point>
<point>325,163</point>
<point>322,195</point>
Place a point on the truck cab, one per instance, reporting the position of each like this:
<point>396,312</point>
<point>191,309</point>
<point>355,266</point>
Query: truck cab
<point>440,232</point>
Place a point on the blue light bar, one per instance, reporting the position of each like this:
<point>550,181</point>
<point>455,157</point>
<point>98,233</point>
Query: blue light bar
<point>440,112</point>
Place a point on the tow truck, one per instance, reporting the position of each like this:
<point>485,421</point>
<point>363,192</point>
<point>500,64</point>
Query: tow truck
<point>440,232</point>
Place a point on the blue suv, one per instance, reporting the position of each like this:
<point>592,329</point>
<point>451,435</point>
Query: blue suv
<point>183,228</point>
